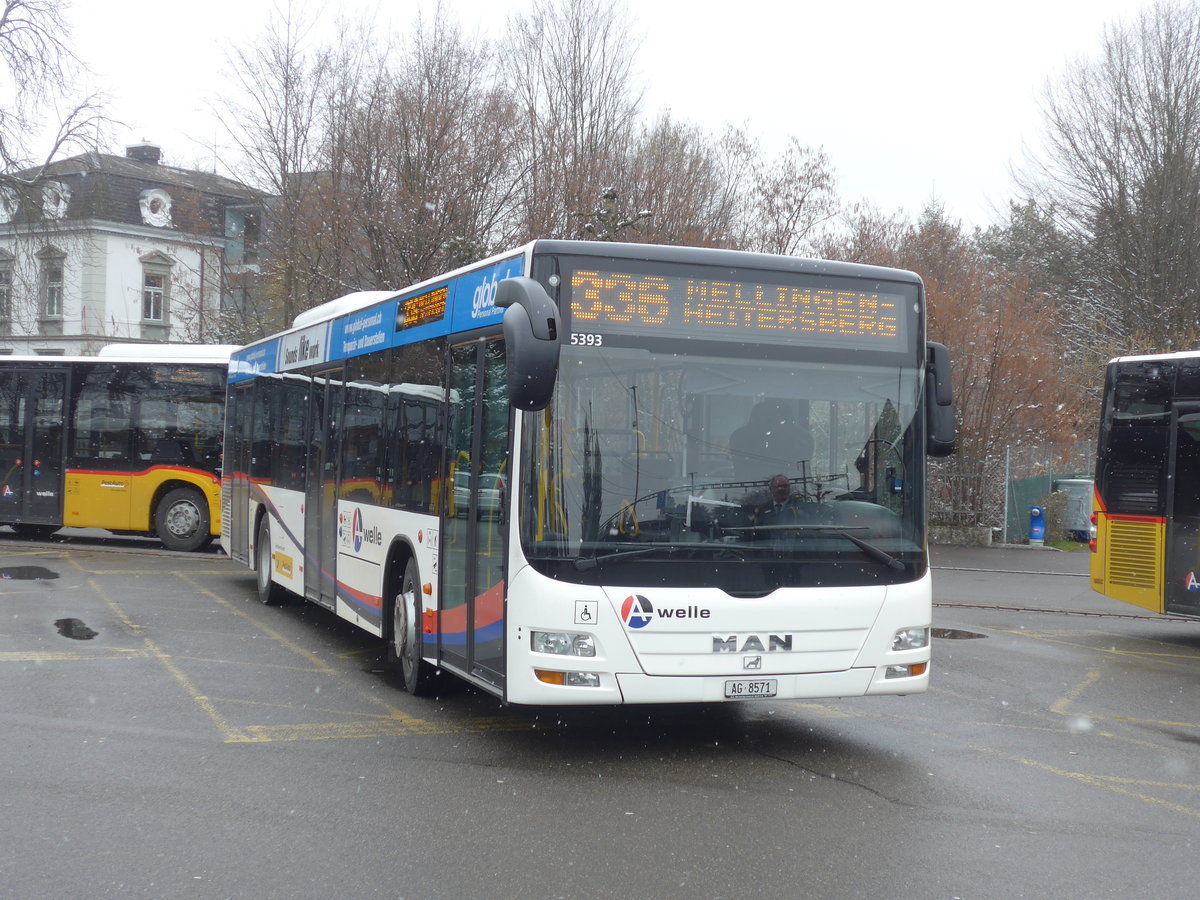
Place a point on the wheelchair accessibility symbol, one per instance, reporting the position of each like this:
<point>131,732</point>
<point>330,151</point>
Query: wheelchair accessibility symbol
<point>586,612</point>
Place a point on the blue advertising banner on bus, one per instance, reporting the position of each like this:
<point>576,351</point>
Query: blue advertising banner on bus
<point>462,303</point>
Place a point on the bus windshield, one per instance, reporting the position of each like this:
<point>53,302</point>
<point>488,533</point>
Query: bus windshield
<point>661,467</point>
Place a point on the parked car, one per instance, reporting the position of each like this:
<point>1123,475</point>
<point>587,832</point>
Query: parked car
<point>489,497</point>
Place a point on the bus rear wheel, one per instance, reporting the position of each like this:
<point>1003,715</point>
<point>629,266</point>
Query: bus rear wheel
<point>404,647</point>
<point>268,591</point>
<point>181,520</point>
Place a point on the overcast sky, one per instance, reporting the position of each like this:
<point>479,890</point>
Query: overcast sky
<point>911,101</point>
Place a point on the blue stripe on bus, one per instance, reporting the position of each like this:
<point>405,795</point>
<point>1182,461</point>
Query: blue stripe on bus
<point>470,303</point>
<point>491,632</point>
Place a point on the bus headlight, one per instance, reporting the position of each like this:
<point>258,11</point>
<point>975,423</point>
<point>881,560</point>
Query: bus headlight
<point>562,643</point>
<point>911,639</point>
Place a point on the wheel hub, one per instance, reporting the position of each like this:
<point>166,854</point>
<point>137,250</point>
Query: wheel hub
<point>183,519</point>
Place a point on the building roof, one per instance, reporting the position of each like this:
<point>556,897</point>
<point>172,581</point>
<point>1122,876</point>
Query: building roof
<point>105,187</point>
<point>127,167</point>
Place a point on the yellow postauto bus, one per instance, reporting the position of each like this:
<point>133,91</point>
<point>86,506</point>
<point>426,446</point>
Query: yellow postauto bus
<point>128,441</point>
<point>1147,497</point>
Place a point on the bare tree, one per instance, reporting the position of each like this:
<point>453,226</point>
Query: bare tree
<point>665,190</point>
<point>569,66</point>
<point>432,148</point>
<point>1003,337</point>
<point>389,164</point>
<point>38,73</point>
<point>276,122</point>
<point>792,196</point>
<point>865,234</point>
<point>1122,172</point>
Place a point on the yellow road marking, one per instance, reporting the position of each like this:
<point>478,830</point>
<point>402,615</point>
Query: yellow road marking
<point>1059,707</point>
<point>317,663</point>
<point>1157,723</point>
<point>1047,637</point>
<point>824,710</point>
<point>230,733</point>
<point>394,723</point>
<point>1108,783</point>
<point>68,655</point>
<point>378,728</point>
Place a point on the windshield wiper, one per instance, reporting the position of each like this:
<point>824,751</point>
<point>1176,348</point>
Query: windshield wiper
<point>583,563</point>
<point>877,554</point>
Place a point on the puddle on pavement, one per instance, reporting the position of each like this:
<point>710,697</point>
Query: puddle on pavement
<point>75,629</point>
<point>955,634</point>
<point>27,573</point>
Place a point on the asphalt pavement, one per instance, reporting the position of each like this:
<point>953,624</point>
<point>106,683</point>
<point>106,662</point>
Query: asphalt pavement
<point>1011,558</point>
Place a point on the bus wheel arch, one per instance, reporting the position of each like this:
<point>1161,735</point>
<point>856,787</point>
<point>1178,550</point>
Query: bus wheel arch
<point>181,517</point>
<point>402,610</point>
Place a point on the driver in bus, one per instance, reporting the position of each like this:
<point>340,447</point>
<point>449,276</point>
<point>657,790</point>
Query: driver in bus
<point>781,508</point>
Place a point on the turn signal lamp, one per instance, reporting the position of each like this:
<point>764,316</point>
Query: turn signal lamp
<point>909,671</point>
<point>568,679</point>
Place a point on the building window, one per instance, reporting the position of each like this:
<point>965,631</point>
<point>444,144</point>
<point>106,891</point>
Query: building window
<point>152,297</point>
<point>5,289</point>
<point>156,296</point>
<point>6,299</point>
<point>52,265</point>
<point>53,282</point>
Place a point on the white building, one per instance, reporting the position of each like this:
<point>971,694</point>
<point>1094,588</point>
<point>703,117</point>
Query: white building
<point>100,248</point>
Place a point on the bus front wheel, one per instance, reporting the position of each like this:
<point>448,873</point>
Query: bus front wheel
<point>404,648</point>
<point>181,520</point>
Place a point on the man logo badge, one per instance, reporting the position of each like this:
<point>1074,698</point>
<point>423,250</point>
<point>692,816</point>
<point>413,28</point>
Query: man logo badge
<point>751,662</point>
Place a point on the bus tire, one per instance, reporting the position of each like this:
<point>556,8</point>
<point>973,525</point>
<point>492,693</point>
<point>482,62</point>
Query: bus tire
<point>268,591</point>
<point>181,520</point>
<point>404,645</point>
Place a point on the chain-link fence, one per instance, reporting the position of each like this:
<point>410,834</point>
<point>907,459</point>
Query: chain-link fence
<point>995,493</point>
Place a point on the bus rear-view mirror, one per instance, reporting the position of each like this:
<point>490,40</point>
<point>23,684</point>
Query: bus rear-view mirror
<point>532,330</point>
<point>939,401</point>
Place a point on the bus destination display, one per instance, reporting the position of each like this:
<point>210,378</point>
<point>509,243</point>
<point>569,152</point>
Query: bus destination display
<point>427,307</point>
<point>610,302</point>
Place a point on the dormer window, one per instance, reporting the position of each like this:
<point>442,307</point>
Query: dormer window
<point>156,207</point>
<point>56,198</point>
<point>9,204</point>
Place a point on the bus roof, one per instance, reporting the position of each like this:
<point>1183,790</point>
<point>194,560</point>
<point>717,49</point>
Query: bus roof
<point>359,300</point>
<point>1156,357</point>
<point>171,352</point>
<point>340,306</point>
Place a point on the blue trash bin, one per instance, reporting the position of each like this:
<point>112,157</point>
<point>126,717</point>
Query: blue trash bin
<point>1037,526</point>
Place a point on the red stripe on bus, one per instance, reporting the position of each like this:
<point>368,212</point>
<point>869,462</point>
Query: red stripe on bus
<point>109,473</point>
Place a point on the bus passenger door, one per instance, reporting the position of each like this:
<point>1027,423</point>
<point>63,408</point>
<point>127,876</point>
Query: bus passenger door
<point>473,536</point>
<point>32,404</point>
<point>1182,574</point>
<point>320,500</point>
<point>235,470</point>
